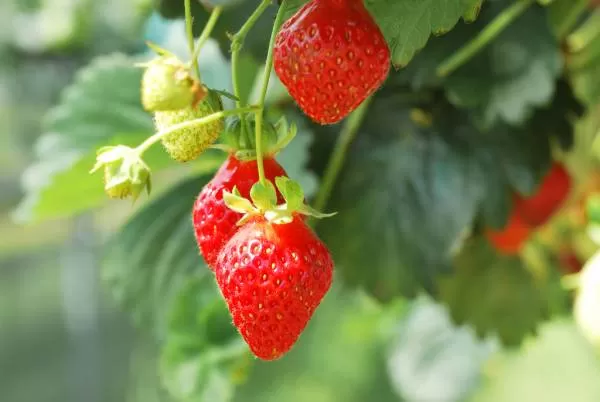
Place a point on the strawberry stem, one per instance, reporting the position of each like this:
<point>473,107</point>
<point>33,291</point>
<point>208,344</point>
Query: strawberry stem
<point>189,22</point>
<point>336,161</point>
<point>191,123</point>
<point>263,91</point>
<point>237,42</point>
<point>488,34</point>
<point>208,28</point>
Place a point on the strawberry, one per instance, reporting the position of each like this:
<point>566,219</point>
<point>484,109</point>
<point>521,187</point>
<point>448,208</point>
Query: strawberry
<point>331,56</point>
<point>214,222</point>
<point>187,144</point>
<point>273,277</point>
<point>167,84</point>
<point>553,191</point>
<point>511,238</point>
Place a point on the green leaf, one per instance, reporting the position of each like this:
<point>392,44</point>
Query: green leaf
<point>407,25</point>
<point>433,360</point>
<point>508,80</point>
<point>101,107</point>
<point>153,254</point>
<point>558,366</point>
<point>203,356</point>
<point>409,192</point>
<point>519,72</point>
<point>496,294</point>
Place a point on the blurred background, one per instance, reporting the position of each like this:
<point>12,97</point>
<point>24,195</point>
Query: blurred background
<point>62,338</point>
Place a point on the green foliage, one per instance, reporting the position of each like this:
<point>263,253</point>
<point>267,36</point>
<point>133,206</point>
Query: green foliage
<point>507,80</point>
<point>203,357</point>
<point>410,189</point>
<point>558,366</point>
<point>495,294</point>
<point>101,107</point>
<point>154,254</point>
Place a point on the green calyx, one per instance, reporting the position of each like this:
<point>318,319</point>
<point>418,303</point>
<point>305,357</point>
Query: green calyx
<point>239,139</point>
<point>264,202</point>
<point>125,173</point>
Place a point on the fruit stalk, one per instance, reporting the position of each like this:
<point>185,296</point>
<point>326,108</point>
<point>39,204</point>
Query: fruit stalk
<point>189,124</point>
<point>263,92</point>
<point>208,28</point>
<point>489,33</point>
<point>336,161</point>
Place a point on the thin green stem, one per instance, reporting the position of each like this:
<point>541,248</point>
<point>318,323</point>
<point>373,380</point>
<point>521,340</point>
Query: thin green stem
<point>571,16</point>
<point>489,33</point>
<point>189,25</point>
<point>263,92</point>
<point>143,147</point>
<point>338,156</point>
<point>208,28</point>
<point>237,42</point>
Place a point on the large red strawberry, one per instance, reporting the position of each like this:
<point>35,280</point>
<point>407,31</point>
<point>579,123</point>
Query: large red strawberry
<point>552,192</point>
<point>331,56</point>
<point>511,238</point>
<point>214,222</point>
<point>273,277</point>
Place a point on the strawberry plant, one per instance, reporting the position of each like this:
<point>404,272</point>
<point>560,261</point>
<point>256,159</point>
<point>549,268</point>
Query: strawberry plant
<point>335,163</point>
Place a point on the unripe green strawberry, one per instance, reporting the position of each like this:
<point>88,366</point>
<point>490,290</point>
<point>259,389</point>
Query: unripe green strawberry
<point>187,144</point>
<point>167,84</point>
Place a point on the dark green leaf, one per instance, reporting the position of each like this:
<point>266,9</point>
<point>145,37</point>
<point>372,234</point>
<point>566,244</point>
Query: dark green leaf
<point>511,77</point>
<point>409,192</point>
<point>154,254</point>
<point>407,25</point>
<point>496,294</point>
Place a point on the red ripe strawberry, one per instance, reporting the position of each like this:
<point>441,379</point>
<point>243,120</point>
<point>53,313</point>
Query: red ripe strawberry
<point>273,277</point>
<point>214,222</point>
<point>510,239</point>
<point>539,208</point>
<point>331,56</point>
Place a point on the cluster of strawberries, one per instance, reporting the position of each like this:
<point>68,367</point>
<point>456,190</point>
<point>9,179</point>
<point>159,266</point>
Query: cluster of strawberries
<point>529,213</point>
<point>331,56</point>
<point>272,276</point>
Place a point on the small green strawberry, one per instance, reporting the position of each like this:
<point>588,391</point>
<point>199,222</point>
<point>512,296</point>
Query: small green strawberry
<point>187,144</point>
<point>168,84</point>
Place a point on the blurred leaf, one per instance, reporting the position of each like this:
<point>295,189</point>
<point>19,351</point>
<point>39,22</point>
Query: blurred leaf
<point>583,62</point>
<point>101,107</point>
<point>154,254</point>
<point>409,191</point>
<point>512,76</point>
<point>407,25</point>
<point>203,356</point>
<point>432,360</point>
<point>507,80</point>
<point>558,366</point>
<point>496,294</point>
